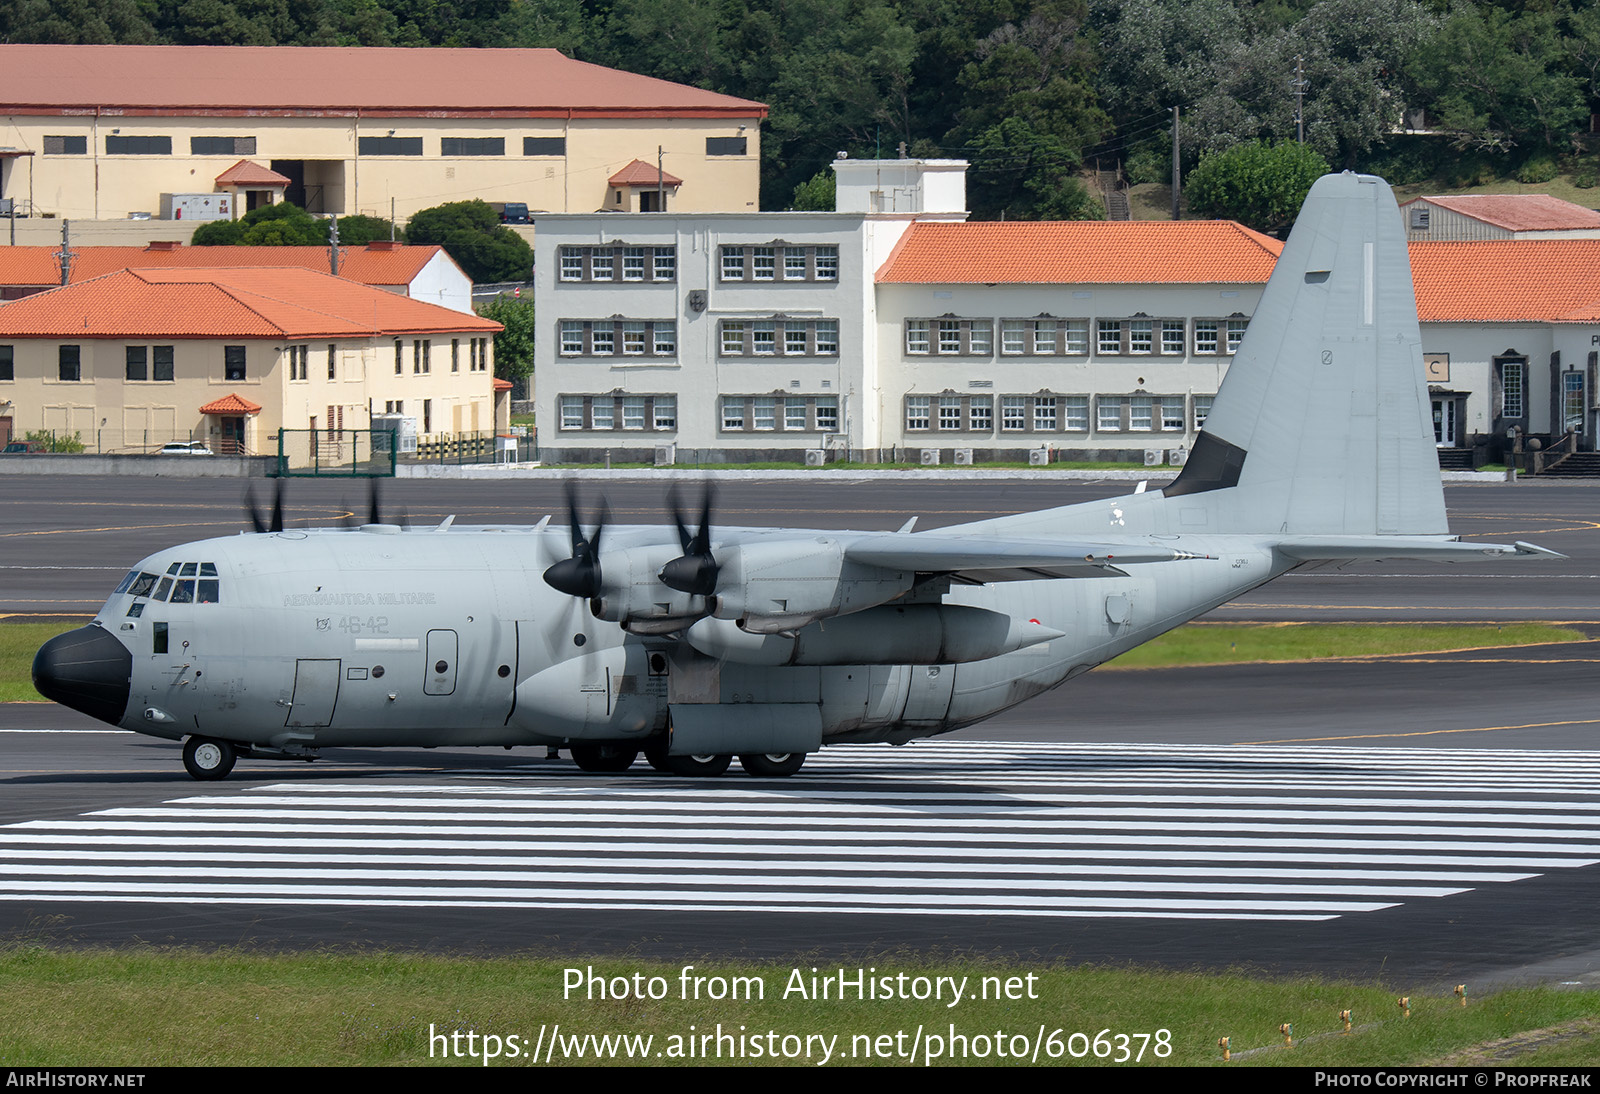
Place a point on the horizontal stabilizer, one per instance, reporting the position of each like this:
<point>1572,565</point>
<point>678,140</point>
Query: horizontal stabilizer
<point>1373,548</point>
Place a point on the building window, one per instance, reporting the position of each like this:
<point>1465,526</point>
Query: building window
<point>764,266</point>
<point>481,361</point>
<point>8,367</point>
<point>1108,336</point>
<point>66,146</point>
<point>421,350</point>
<point>1044,413</point>
<point>1139,413</point>
<point>633,339</point>
<point>666,264</point>
<point>138,146</point>
<point>233,362</point>
<point>603,414</point>
<point>799,263</point>
<point>664,411</point>
<point>763,339</point>
<point>794,338</point>
<point>827,337</point>
<point>1044,337</point>
<point>640,338</point>
<point>571,337</point>
<point>980,337</point>
<point>1205,336</point>
<point>666,339</point>
<point>1109,419</point>
<point>389,146</point>
<point>602,264</point>
<point>764,414</point>
<point>572,412</point>
<point>399,357</point>
<point>732,337</point>
<point>333,360</point>
<point>980,414</point>
<point>298,362</point>
<point>602,339</point>
<point>1172,335</point>
<point>222,146</point>
<point>917,409</point>
<point>138,363</point>
<point>1202,410</point>
<point>69,364</point>
<point>1013,413</point>
<point>1172,413</point>
<point>161,363</point>
<point>827,263</point>
<point>472,146</point>
<point>633,267</point>
<point>1511,389</point>
<point>733,263</point>
<point>639,264</point>
<point>794,263</point>
<point>1236,328</point>
<point>544,146</point>
<point>827,414</point>
<point>794,414</point>
<point>1141,336</point>
<point>1075,413</point>
<point>949,336</point>
<point>1013,337</point>
<point>732,414</point>
<point>949,412</point>
<point>633,412</point>
<point>726,146</point>
<point>571,264</point>
<point>917,336</point>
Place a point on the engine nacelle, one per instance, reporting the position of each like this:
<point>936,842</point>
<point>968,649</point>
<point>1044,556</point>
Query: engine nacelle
<point>788,583</point>
<point>913,634</point>
<point>632,594</point>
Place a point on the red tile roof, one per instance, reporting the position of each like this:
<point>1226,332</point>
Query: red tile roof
<point>1518,212</point>
<point>1508,280</point>
<point>255,302</point>
<point>380,264</point>
<point>379,82</point>
<point>503,385</point>
<point>250,173</point>
<point>1081,252</point>
<point>640,173</point>
<point>231,404</point>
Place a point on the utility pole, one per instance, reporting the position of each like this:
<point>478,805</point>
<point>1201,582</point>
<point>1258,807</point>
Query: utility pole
<point>1174,163</point>
<point>65,255</point>
<point>333,242</point>
<point>1299,86</point>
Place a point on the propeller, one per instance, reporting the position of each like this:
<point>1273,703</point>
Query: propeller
<point>256,519</point>
<point>695,571</point>
<point>579,575</point>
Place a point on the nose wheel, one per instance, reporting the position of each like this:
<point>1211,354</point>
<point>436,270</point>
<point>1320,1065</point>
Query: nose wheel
<point>207,759</point>
<point>771,764</point>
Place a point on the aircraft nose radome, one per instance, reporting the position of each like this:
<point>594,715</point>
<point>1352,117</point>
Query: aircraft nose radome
<point>87,670</point>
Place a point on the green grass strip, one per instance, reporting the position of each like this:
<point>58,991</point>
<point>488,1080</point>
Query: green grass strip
<point>1219,644</point>
<point>145,1007</point>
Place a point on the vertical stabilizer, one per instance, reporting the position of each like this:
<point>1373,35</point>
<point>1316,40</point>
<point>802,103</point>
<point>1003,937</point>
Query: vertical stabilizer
<point>1321,424</point>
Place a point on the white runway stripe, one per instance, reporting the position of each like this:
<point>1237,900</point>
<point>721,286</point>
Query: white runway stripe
<point>949,828</point>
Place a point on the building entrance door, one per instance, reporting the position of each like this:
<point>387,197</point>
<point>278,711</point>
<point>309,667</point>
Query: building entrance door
<point>1444,422</point>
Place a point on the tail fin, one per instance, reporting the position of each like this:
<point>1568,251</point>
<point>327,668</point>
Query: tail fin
<point>1321,424</point>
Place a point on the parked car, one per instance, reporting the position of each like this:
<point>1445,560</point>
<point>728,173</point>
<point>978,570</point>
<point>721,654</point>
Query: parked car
<point>511,212</point>
<point>185,448</point>
<point>24,447</point>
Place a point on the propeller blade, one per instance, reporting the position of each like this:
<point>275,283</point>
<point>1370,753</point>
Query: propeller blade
<point>695,571</point>
<point>257,521</point>
<point>374,513</point>
<point>579,575</point>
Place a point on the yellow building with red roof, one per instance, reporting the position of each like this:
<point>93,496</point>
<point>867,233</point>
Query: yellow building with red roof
<point>101,131</point>
<point>133,359</point>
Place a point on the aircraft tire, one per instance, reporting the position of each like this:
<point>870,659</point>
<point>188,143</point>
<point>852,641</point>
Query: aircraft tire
<point>603,759</point>
<point>771,765</point>
<point>208,759</point>
<point>707,766</point>
<point>656,756</point>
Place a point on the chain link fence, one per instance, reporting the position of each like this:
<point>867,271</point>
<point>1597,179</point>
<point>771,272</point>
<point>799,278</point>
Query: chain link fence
<point>342,453</point>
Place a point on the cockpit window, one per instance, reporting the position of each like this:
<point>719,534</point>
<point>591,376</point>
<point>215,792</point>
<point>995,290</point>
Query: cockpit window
<point>161,589</point>
<point>208,569</point>
<point>126,582</point>
<point>136,609</point>
<point>209,592</point>
<point>174,567</point>
<point>183,591</point>
<point>143,584</point>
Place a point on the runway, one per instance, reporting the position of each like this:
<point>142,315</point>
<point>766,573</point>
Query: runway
<point>1417,819</point>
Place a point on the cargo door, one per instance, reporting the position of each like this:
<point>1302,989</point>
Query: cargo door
<point>316,689</point>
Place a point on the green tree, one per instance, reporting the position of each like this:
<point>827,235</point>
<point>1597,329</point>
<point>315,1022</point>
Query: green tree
<point>1258,184</point>
<point>818,194</point>
<point>473,235</point>
<point>1500,79</point>
<point>283,224</point>
<point>361,228</point>
<point>513,347</point>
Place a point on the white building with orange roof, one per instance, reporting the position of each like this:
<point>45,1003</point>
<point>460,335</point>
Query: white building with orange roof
<point>130,360</point>
<point>1466,217</point>
<point>421,272</point>
<point>101,131</point>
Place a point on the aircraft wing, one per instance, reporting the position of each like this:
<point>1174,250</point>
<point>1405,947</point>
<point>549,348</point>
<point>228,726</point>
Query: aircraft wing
<point>990,558</point>
<point>1427,548</point>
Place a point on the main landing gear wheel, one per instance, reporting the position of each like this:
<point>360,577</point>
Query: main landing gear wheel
<point>604,759</point>
<point>208,759</point>
<point>705,766</point>
<point>771,764</point>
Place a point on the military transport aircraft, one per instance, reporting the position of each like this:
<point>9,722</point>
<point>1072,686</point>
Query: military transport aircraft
<point>698,645</point>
